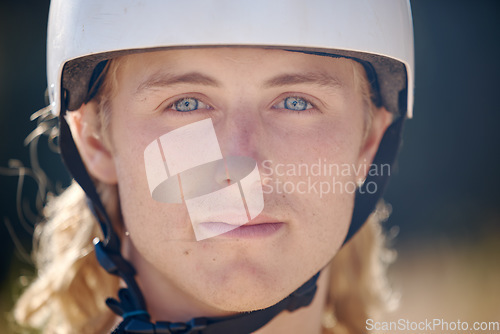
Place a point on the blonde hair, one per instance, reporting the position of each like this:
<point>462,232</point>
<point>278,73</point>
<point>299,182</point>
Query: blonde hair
<point>359,288</point>
<point>69,291</point>
<point>68,295</point>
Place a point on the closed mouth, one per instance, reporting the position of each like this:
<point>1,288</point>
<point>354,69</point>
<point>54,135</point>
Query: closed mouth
<point>252,229</point>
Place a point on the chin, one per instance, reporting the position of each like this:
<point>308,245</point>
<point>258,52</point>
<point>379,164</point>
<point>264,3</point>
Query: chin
<point>246,289</point>
<point>247,301</point>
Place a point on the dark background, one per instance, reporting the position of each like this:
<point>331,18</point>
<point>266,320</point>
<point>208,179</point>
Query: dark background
<point>445,190</point>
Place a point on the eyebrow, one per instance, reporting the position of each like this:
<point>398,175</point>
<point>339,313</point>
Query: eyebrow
<point>318,78</point>
<point>163,79</point>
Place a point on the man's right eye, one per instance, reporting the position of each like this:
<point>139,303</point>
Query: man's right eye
<point>186,104</point>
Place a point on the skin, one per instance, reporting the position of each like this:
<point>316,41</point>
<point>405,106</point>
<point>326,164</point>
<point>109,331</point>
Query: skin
<point>221,276</point>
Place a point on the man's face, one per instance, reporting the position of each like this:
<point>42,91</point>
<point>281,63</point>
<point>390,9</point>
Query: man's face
<point>300,117</point>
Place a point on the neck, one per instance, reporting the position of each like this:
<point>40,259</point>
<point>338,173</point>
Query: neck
<point>306,319</point>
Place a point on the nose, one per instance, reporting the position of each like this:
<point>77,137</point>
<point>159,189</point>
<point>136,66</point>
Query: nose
<point>241,133</point>
<point>221,174</point>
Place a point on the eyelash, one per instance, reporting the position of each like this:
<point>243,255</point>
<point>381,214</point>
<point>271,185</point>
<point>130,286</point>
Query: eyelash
<point>309,106</point>
<point>177,104</point>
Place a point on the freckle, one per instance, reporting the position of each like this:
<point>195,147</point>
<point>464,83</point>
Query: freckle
<point>213,259</point>
<point>186,252</point>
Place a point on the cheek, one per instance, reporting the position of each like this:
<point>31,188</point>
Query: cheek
<point>327,151</point>
<point>143,217</point>
<point>313,173</point>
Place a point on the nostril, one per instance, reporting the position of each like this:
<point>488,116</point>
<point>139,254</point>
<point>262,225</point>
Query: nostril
<point>224,181</point>
<point>222,176</point>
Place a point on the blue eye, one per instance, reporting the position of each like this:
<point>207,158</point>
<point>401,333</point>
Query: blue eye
<point>295,103</point>
<point>186,104</point>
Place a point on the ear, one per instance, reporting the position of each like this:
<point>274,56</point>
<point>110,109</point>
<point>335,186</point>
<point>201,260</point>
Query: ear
<point>381,120</point>
<point>85,125</point>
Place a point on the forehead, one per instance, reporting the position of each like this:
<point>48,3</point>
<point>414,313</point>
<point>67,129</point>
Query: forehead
<point>242,64</point>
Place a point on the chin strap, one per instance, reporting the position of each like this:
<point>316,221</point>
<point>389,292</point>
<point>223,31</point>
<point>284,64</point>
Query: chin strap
<point>136,320</point>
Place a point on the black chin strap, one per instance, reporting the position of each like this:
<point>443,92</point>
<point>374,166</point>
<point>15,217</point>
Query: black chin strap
<point>136,320</point>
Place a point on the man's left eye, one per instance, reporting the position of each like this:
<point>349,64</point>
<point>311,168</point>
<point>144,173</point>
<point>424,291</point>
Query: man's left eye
<point>294,103</point>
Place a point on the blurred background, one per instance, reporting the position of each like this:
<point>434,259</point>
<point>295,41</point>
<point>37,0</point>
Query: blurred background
<point>444,192</point>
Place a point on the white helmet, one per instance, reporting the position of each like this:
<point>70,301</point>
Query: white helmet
<point>84,33</point>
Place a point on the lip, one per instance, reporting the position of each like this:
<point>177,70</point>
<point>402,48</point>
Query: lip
<point>259,227</point>
<point>262,219</point>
